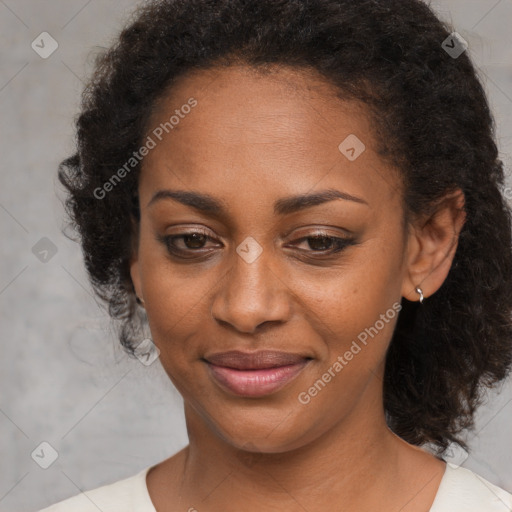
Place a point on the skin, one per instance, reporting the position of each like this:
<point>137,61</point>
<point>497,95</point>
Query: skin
<point>251,140</point>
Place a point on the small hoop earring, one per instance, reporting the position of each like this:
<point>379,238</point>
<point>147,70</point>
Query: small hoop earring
<point>420,291</point>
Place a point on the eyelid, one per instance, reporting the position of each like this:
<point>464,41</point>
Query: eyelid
<point>194,229</point>
<point>326,231</point>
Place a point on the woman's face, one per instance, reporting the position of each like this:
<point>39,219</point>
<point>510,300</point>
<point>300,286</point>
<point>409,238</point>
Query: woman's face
<point>318,281</point>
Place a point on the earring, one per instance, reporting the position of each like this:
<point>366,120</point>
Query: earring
<point>139,301</point>
<point>420,291</point>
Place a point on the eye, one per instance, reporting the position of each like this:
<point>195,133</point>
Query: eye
<point>185,245</point>
<point>324,244</point>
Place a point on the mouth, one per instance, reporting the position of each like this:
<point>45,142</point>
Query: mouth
<point>254,374</point>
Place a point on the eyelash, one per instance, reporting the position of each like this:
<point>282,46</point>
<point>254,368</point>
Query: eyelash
<point>339,243</point>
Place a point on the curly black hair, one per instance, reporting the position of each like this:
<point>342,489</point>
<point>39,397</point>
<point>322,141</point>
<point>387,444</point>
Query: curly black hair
<point>432,121</point>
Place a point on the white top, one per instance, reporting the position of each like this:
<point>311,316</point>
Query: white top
<point>460,490</point>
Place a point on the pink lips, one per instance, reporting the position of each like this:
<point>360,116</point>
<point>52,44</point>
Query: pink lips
<point>254,374</point>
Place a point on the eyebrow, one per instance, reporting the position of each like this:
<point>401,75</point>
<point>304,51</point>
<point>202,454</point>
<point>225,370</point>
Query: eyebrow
<point>207,204</point>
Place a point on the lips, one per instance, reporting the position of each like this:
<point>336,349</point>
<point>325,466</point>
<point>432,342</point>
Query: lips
<point>255,360</point>
<point>254,374</point>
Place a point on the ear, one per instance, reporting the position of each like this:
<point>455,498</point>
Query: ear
<point>134,260</point>
<point>431,246</point>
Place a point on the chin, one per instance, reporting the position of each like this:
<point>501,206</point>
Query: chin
<point>262,428</point>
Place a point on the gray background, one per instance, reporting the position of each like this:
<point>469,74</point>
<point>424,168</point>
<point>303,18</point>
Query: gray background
<point>64,379</point>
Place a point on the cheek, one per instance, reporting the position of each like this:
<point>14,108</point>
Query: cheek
<point>354,310</point>
<point>355,324</point>
<point>177,313</point>
<point>355,293</point>
<point>177,309</point>
<point>174,301</point>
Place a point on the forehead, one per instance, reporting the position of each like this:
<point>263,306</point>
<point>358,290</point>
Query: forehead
<point>284,130</point>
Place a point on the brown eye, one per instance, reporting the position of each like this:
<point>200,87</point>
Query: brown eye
<point>194,240</point>
<point>320,243</point>
<point>323,244</point>
<point>187,245</point>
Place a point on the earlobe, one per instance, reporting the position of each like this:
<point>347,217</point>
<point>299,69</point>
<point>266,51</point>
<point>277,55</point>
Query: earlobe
<point>432,245</point>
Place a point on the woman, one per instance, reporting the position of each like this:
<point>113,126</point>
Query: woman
<point>302,200</point>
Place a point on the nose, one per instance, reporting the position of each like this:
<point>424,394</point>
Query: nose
<point>250,295</point>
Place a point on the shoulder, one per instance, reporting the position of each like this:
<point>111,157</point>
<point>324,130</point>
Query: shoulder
<point>462,490</point>
<point>127,495</point>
